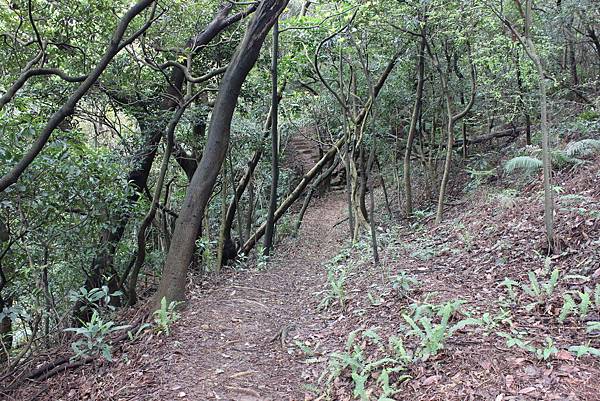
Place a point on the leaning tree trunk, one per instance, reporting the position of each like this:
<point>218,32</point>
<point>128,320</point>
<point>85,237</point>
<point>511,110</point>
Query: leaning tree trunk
<point>102,263</point>
<point>172,285</point>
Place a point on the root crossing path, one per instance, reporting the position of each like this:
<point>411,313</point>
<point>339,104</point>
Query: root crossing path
<point>236,342</point>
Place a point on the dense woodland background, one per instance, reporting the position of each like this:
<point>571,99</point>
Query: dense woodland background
<point>146,145</point>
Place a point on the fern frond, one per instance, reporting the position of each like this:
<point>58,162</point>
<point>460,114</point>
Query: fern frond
<point>527,163</point>
<point>584,147</point>
<point>560,159</point>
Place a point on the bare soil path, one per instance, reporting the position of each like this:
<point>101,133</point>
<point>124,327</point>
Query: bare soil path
<point>232,342</point>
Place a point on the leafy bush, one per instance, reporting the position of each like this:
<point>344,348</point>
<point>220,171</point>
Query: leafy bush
<point>94,333</point>
<point>94,298</point>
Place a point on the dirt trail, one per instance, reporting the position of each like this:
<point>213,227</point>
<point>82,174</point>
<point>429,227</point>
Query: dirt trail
<point>228,344</point>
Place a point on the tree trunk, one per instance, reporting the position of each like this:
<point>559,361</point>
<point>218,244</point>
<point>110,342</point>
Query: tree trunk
<point>172,284</point>
<point>274,145</point>
<point>221,242</point>
<point>413,125</point>
<point>144,157</point>
<point>452,119</point>
<point>522,103</point>
<point>446,173</point>
<point>386,198</point>
<point>141,236</point>
<point>548,201</point>
<point>531,51</point>
<point>371,180</point>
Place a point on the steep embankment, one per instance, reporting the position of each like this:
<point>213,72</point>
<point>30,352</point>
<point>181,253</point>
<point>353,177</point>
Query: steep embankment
<point>484,269</point>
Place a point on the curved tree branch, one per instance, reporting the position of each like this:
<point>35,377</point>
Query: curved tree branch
<point>69,106</point>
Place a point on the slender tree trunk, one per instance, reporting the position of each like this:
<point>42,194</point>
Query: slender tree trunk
<point>531,51</point>
<point>371,179</point>
<point>172,285</point>
<point>523,105</point>
<point>446,173</point>
<point>221,242</point>
<point>384,188</point>
<point>250,211</point>
<point>142,232</point>
<point>274,145</point>
<point>413,125</point>
<point>294,195</point>
<point>452,119</point>
<point>348,171</point>
<point>591,33</point>
<point>362,204</point>
<point>548,199</point>
<point>236,202</point>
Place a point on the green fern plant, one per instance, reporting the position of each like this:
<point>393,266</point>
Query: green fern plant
<point>361,368</point>
<point>540,292</point>
<point>544,353</point>
<point>527,164</point>
<point>433,335</point>
<point>593,327</point>
<point>569,306</point>
<point>165,316</point>
<point>584,350</point>
<point>585,303</point>
<point>585,147</point>
<point>560,159</point>
<point>336,288</point>
<point>582,309</point>
<point>403,283</point>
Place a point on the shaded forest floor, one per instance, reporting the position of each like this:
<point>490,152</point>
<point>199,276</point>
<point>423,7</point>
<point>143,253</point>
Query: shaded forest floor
<point>271,334</point>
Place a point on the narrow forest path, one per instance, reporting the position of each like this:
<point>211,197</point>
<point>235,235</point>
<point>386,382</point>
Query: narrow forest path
<point>231,342</point>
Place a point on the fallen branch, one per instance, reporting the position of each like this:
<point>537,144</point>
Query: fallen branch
<point>293,196</point>
<point>511,132</point>
<point>63,364</point>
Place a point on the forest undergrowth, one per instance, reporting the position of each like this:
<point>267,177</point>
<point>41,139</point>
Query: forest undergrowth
<point>473,308</point>
<point>469,309</point>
